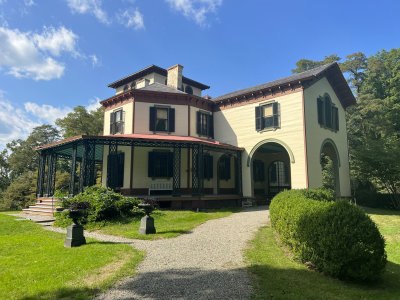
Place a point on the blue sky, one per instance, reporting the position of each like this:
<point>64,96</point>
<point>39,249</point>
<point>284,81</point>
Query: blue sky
<point>57,54</point>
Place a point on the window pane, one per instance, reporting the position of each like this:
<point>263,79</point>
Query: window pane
<point>162,113</point>
<point>267,111</point>
<point>161,125</point>
<point>268,122</point>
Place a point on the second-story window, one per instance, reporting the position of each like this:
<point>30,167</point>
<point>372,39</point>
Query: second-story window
<point>162,119</point>
<point>267,116</point>
<point>205,124</point>
<point>117,122</point>
<point>328,113</point>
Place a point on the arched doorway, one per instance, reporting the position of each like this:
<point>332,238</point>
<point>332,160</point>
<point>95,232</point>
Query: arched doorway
<point>270,170</point>
<point>330,164</point>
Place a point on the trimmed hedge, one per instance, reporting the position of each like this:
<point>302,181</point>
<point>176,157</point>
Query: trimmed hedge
<point>338,238</point>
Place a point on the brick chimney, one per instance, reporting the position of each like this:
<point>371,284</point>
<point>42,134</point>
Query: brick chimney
<point>174,77</point>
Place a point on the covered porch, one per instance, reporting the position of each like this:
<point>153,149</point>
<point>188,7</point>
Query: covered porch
<point>179,171</point>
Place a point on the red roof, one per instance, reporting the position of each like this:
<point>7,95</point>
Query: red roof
<point>173,138</point>
<point>153,137</point>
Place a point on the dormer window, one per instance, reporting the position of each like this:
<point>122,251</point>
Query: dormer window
<point>189,90</point>
<point>126,88</point>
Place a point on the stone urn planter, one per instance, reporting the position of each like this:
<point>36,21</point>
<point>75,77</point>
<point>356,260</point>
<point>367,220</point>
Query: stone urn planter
<point>147,222</point>
<point>75,237</point>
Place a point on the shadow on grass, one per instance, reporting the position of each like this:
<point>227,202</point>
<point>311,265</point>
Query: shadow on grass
<point>381,212</point>
<point>294,283</point>
<point>64,293</point>
<point>174,231</point>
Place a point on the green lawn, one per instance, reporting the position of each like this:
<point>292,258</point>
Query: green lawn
<point>35,265</point>
<point>280,277</point>
<point>168,223</point>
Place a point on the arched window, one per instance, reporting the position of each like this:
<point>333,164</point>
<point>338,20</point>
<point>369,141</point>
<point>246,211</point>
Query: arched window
<point>133,85</point>
<point>126,88</point>
<point>189,90</point>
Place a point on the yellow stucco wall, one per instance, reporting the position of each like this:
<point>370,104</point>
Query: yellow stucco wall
<point>316,136</point>
<point>128,114</point>
<point>142,118</point>
<point>236,126</point>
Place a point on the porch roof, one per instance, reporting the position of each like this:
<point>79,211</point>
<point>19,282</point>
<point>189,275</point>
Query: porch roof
<point>140,138</point>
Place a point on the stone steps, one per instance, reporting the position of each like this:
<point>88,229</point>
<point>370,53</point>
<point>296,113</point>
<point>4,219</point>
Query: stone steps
<point>46,206</point>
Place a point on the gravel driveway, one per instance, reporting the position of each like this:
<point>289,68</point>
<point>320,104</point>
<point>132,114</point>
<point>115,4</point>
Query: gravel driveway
<point>206,263</point>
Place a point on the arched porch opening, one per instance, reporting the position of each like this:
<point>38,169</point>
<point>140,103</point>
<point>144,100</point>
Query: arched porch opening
<point>330,163</point>
<point>270,170</point>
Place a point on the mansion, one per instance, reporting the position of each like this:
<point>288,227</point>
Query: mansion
<point>163,139</point>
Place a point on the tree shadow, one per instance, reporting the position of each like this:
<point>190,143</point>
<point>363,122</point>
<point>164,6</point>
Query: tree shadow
<point>188,283</point>
<point>64,293</point>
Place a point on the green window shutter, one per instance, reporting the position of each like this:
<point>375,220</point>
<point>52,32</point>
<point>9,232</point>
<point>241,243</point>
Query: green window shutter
<point>335,113</point>
<point>152,122</point>
<point>258,118</point>
<point>120,174</point>
<point>210,123</point>
<point>170,167</point>
<point>275,108</point>
<point>112,123</point>
<point>198,122</point>
<point>171,119</point>
<point>328,113</point>
<point>208,166</point>
<point>150,164</point>
<point>320,106</point>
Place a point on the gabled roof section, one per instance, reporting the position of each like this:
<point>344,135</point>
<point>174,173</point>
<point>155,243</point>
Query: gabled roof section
<point>158,87</point>
<point>331,71</point>
<point>154,69</point>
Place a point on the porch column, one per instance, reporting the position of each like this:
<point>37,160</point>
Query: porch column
<point>86,177</point>
<point>176,180</point>
<point>73,171</point>
<point>51,174</point>
<point>41,174</point>
<point>197,170</point>
<point>238,173</point>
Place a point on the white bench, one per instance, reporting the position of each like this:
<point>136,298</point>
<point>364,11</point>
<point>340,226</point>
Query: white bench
<point>160,186</point>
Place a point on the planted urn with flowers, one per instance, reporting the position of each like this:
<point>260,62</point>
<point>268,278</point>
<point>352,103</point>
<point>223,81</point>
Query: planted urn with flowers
<point>75,235</point>
<point>147,222</point>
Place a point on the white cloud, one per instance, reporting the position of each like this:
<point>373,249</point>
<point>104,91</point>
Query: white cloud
<point>27,54</point>
<point>131,18</point>
<point>56,40</point>
<point>46,113</point>
<point>29,2</point>
<point>196,10</point>
<point>18,122</point>
<point>14,122</point>
<point>95,60</point>
<point>94,104</point>
<point>89,7</point>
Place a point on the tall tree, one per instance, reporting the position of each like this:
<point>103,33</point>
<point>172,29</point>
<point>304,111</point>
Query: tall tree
<point>355,65</point>
<point>23,156</point>
<point>82,122</point>
<point>306,64</point>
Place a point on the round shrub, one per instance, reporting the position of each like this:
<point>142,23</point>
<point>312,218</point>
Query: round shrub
<point>342,241</point>
<point>337,237</point>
